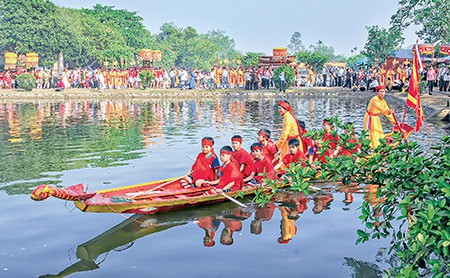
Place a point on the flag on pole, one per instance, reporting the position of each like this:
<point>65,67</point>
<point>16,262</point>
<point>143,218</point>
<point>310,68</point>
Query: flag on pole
<point>413,99</point>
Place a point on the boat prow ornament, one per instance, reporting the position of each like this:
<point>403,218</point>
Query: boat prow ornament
<point>71,193</point>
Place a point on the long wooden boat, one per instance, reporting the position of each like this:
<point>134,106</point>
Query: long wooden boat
<point>146,198</point>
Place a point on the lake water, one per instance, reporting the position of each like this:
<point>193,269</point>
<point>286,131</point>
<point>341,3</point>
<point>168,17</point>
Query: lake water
<point>111,143</point>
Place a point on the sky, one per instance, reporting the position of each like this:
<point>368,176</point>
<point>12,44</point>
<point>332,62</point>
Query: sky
<point>260,26</point>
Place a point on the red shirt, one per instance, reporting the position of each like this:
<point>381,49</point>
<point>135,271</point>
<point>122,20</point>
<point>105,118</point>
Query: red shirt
<point>270,150</point>
<point>290,158</point>
<point>243,157</point>
<point>332,143</point>
<point>349,150</point>
<point>263,167</point>
<point>230,173</point>
<point>204,167</point>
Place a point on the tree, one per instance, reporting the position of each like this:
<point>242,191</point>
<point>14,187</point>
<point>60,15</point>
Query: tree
<point>312,58</point>
<point>296,43</point>
<point>251,59</point>
<point>321,48</point>
<point>289,75</point>
<point>432,15</point>
<point>380,43</point>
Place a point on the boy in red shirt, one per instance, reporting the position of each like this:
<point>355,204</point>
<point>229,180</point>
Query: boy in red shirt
<point>294,156</point>
<point>230,176</point>
<point>243,158</point>
<point>352,145</point>
<point>269,149</point>
<point>262,167</point>
<point>205,167</point>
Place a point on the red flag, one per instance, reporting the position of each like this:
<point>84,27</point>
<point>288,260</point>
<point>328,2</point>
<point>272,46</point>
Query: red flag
<point>413,99</point>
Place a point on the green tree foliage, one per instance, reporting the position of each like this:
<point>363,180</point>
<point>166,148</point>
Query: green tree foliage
<point>356,60</point>
<point>26,81</point>
<point>289,75</point>
<point>103,33</point>
<point>408,200</point>
<point>296,43</point>
<point>433,16</point>
<point>381,42</point>
<point>251,59</point>
<point>146,76</point>
<point>313,58</point>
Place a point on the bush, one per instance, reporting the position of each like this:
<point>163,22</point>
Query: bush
<point>26,81</point>
<point>289,75</point>
<point>146,77</point>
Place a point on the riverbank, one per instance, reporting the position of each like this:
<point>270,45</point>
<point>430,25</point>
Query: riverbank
<point>436,106</point>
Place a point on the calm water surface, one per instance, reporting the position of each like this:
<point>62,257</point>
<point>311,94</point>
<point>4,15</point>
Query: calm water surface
<point>109,144</point>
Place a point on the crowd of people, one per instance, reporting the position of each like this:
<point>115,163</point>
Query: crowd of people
<point>251,78</point>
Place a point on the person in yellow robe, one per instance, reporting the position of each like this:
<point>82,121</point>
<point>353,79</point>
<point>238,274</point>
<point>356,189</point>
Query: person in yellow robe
<point>291,129</point>
<point>376,107</point>
<point>382,76</point>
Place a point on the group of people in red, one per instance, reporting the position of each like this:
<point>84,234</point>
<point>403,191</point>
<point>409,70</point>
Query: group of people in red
<point>266,159</point>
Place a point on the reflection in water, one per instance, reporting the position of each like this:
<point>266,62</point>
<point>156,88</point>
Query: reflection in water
<point>42,140</point>
<point>224,219</point>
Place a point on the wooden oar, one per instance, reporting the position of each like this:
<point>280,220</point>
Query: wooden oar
<point>233,200</point>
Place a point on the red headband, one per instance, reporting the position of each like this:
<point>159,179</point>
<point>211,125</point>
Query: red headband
<point>263,134</point>
<point>285,105</point>
<point>225,152</point>
<point>207,142</point>
<point>381,87</point>
<point>256,148</point>
<point>236,139</point>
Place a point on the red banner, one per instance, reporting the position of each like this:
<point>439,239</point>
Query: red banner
<point>444,49</point>
<point>413,99</point>
<point>424,49</point>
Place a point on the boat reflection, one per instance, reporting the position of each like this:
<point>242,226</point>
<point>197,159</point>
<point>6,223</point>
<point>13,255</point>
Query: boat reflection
<point>224,219</point>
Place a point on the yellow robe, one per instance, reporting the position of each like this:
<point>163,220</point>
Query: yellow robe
<point>290,130</point>
<point>376,107</point>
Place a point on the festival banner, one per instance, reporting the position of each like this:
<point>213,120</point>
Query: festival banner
<point>413,99</point>
<point>424,49</point>
<point>444,49</point>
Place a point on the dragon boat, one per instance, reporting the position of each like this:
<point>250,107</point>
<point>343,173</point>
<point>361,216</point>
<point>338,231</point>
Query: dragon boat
<point>146,198</point>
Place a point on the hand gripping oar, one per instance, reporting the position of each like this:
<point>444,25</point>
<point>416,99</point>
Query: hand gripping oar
<point>222,193</point>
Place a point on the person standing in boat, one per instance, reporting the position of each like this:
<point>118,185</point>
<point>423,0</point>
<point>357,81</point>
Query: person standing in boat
<point>291,129</point>
<point>269,149</point>
<point>230,176</point>
<point>262,167</point>
<point>243,158</point>
<point>376,107</point>
<point>205,167</point>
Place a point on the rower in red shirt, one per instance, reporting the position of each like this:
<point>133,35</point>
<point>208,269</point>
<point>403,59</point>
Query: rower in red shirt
<point>262,166</point>
<point>294,156</point>
<point>243,158</point>
<point>205,167</point>
<point>352,145</point>
<point>269,150</point>
<point>230,176</point>
<point>330,139</point>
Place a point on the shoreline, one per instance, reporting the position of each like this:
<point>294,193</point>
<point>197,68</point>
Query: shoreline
<point>435,107</point>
